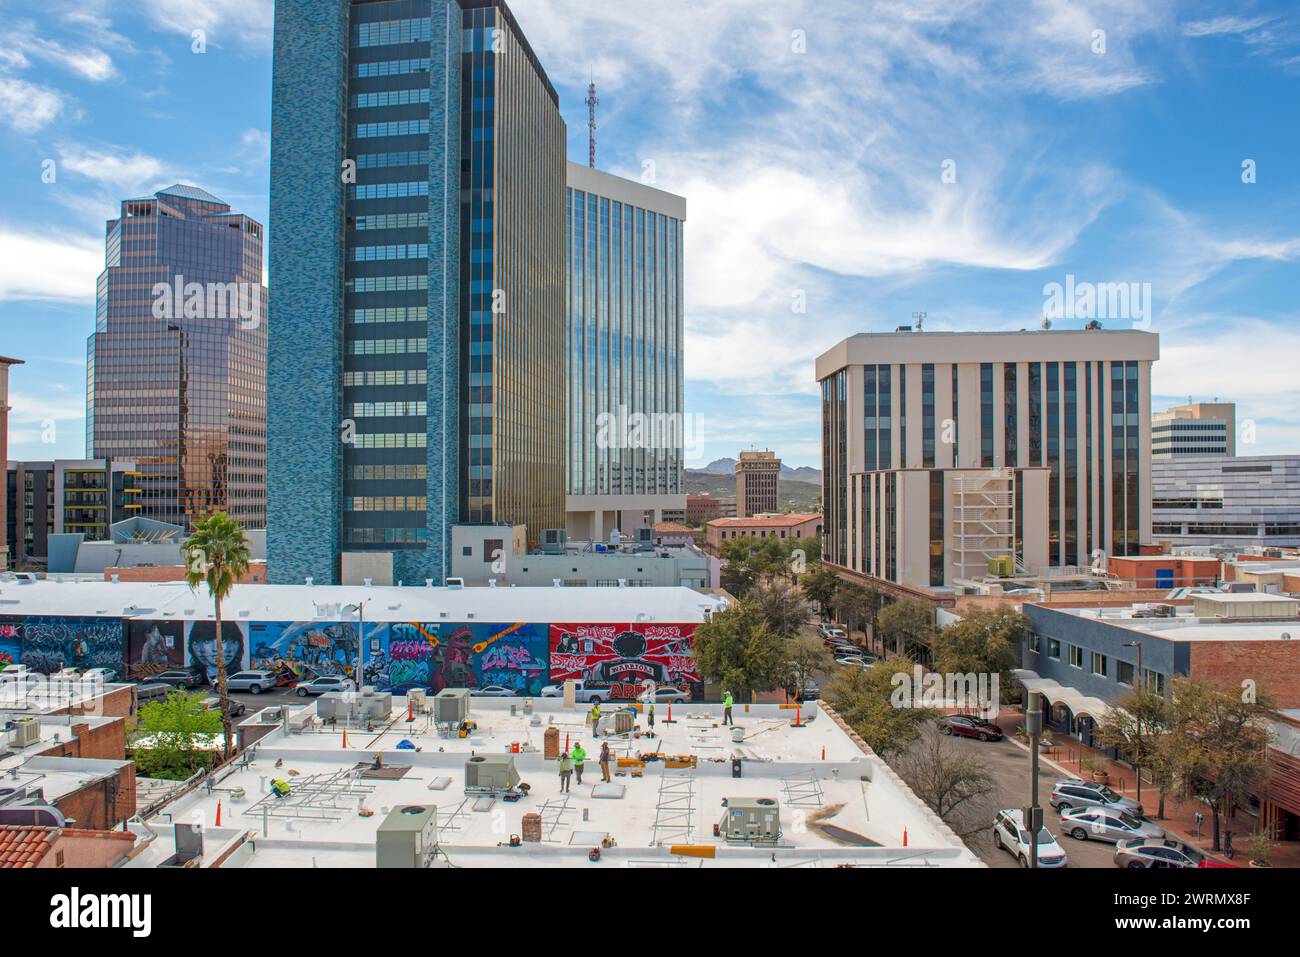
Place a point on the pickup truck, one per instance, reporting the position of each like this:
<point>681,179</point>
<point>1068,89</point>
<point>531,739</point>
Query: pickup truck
<point>596,695</point>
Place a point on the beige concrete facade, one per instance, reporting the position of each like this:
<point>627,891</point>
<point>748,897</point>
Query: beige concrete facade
<point>758,479</point>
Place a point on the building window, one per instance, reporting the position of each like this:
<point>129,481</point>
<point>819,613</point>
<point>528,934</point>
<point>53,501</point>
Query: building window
<point>1098,664</point>
<point>1035,644</point>
<point>1054,649</point>
<point>1124,673</point>
<point>1076,656</point>
<point>1155,681</point>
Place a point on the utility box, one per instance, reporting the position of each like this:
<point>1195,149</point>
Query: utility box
<point>751,821</point>
<point>451,705</point>
<point>408,837</point>
<point>490,772</point>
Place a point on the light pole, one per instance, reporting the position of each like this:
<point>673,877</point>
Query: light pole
<point>360,609</point>
<point>1033,814</point>
<point>1141,684</point>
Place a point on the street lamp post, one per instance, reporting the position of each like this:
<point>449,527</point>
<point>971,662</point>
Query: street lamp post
<point>360,609</point>
<point>1141,683</point>
<point>1033,814</point>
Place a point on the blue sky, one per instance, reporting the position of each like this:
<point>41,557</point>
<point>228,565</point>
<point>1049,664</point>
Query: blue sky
<point>1103,140</point>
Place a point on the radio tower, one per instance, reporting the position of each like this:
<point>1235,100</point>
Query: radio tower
<point>591,123</point>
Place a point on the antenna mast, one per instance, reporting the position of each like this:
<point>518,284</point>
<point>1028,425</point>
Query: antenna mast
<point>591,123</point>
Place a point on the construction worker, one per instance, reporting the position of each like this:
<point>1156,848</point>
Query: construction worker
<point>566,770</point>
<point>727,702</point>
<point>604,761</point>
<point>579,759</point>
<point>594,718</point>
<point>650,713</point>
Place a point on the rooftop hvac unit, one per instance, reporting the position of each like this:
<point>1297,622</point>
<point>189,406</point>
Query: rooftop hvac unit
<point>451,705</point>
<point>418,698</point>
<point>490,772</point>
<point>554,540</point>
<point>27,731</point>
<point>375,704</point>
<point>408,837</point>
<point>751,821</point>
<point>1162,610</point>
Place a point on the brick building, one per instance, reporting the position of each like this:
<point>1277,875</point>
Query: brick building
<point>802,527</point>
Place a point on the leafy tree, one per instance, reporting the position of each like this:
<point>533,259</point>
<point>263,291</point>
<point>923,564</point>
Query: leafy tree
<point>906,624</point>
<point>737,649</point>
<point>952,781</point>
<point>864,697</point>
<point>819,584</point>
<point>217,555</point>
<point>856,605</point>
<point>1217,741</point>
<point>747,561</point>
<point>173,729</point>
<point>808,657</point>
<point>1136,726</point>
<point>986,641</point>
<point>782,604</point>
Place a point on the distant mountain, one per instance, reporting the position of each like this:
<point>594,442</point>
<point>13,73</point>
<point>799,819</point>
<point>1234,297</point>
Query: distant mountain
<point>718,467</point>
<point>727,466</point>
<point>794,493</point>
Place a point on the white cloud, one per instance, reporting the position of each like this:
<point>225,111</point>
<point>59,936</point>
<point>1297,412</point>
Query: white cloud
<point>48,267</point>
<point>125,171</point>
<point>248,21</point>
<point>1223,26</point>
<point>28,107</point>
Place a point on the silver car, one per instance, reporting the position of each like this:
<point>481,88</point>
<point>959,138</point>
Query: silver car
<point>1106,824</point>
<point>1078,793</point>
<point>254,682</point>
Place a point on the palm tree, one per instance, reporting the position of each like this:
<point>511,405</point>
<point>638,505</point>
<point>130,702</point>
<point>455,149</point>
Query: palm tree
<point>217,555</point>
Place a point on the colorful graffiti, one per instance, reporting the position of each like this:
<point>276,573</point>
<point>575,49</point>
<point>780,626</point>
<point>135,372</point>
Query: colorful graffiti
<point>50,644</point>
<point>153,647</point>
<point>624,658</point>
<point>201,647</point>
<point>305,648</point>
<point>11,641</point>
<point>405,655</point>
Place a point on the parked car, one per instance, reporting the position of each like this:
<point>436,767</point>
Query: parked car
<point>832,631</point>
<point>104,675</point>
<point>180,678</point>
<point>1150,852</point>
<point>1079,793</point>
<point>970,726</point>
<point>492,691</point>
<point>325,684</point>
<point>148,693</point>
<point>665,695</point>
<point>1106,824</point>
<point>254,682</point>
<point>583,693</point>
<point>1009,833</point>
<point>854,661</point>
<point>213,703</point>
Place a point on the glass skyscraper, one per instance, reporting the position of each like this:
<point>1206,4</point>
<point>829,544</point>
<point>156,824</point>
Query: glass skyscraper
<point>176,366</point>
<point>416,359</point>
<point>625,313</point>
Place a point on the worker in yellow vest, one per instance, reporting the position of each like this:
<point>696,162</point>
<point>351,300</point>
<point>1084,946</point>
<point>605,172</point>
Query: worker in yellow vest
<point>727,702</point>
<point>594,718</point>
<point>579,755</point>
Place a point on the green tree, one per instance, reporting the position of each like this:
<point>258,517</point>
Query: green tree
<point>1217,743</point>
<point>856,606</point>
<point>216,554</point>
<point>906,624</point>
<point>783,606</point>
<point>747,561</point>
<point>864,697</point>
<point>986,641</point>
<point>808,657</point>
<point>171,731</point>
<point>737,649</point>
<point>819,584</point>
<point>1137,726</point>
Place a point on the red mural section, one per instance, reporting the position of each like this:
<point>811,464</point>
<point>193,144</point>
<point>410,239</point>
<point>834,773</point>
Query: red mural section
<point>624,658</point>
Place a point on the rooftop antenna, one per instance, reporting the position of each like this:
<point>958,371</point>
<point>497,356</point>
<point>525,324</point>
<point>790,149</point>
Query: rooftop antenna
<point>591,123</point>
<point>920,318</point>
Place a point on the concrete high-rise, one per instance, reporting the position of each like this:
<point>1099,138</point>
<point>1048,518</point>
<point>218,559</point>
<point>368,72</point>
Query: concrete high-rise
<point>627,427</point>
<point>417,353</point>
<point>758,479</point>
<point>176,366</point>
<point>1195,429</point>
<point>945,451</point>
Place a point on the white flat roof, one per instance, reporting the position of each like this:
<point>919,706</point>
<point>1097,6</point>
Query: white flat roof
<point>257,602</point>
<point>1185,627</point>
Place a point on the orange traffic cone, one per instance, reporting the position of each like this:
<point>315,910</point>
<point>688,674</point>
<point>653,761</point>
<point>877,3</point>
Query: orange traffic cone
<point>218,814</point>
<point>345,737</point>
<point>905,837</point>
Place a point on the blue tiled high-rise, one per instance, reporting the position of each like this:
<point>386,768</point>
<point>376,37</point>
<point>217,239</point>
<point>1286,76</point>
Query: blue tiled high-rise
<point>416,333</point>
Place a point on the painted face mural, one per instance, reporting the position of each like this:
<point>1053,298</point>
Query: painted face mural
<point>49,644</point>
<point>624,658</point>
<point>203,648</point>
<point>153,647</point>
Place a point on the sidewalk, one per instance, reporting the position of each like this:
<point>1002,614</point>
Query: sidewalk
<point>1180,814</point>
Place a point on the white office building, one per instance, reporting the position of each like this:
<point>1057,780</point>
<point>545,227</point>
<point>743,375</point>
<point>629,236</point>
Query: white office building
<point>1227,500</point>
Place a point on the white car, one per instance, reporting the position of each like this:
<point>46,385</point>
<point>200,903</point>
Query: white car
<point>1009,834</point>
<point>492,691</point>
<point>664,695</point>
<point>856,661</point>
<point>325,684</point>
<point>1107,824</point>
<point>102,675</point>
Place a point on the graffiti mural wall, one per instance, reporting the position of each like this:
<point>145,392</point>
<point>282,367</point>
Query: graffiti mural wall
<point>404,655</point>
<point>11,641</point>
<point>624,657</point>
<point>153,647</point>
<point>307,648</point>
<point>49,644</point>
<point>201,648</point>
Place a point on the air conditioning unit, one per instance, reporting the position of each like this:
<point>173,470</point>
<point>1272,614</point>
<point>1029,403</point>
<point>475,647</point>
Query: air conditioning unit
<point>554,541</point>
<point>751,821</point>
<point>451,705</point>
<point>408,837</point>
<point>27,731</point>
<point>419,700</point>
<point>490,772</point>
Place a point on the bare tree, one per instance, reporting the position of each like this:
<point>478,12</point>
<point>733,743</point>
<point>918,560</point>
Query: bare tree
<point>953,783</point>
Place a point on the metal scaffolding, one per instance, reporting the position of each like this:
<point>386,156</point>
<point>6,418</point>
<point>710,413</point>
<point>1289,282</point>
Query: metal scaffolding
<point>319,797</point>
<point>803,789</point>
<point>675,810</point>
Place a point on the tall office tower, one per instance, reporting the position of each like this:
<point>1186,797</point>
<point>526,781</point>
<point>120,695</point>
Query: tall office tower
<point>758,475</point>
<point>417,273</point>
<point>1198,428</point>
<point>625,314</point>
<point>176,366</point>
<point>5,532</point>
<point>946,451</point>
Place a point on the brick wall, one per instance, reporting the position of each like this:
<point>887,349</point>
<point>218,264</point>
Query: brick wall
<point>1274,666</point>
<point>107,741</point>
<point>102,805</point>
<point>256,574</point>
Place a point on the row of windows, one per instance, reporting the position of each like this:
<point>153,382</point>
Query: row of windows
<point>390,440</point>
<point>394,220</point>
<point>366,254</point>
<point>388,283</point>
<point>1187,503</point>
<point>386,377</point>
<point>1098,664</point>
<point>389,32</point>
<point>391,67</point>
<point>390,314</point>
<point>399,472</point>
<point>386,503</point>
<point>367,409</point>
<point>363,131</point>
<point>419,94</point>
<point>389,190</point>
<point>397,158</point>
<point>386,536</point>
<point>386,347</point>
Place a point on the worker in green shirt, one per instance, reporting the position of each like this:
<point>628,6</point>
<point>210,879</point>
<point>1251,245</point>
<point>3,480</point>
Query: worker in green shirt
<point>650,713</point>
<point>727,702</point>
<point>579,759</point>
<point>566,770</point>
<point>594,718</point>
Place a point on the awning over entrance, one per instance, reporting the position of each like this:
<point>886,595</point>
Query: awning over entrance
<point>1080,704</point>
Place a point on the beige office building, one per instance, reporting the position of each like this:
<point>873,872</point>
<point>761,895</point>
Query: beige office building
<point>758,475</point>
<point>1198,428</point>
<point>945,451</point>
